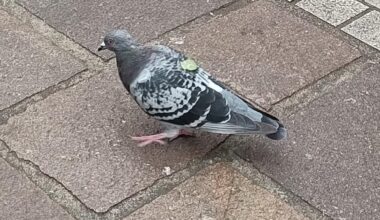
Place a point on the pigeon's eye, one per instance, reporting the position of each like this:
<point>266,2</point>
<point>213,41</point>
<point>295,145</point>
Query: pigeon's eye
<point>110,41</point>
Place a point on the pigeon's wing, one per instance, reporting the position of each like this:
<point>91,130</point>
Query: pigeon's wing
<point>170,93</point>
<point>173,89</point>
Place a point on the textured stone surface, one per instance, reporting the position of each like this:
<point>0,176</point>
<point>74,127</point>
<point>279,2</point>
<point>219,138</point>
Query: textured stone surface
<point>28,62</point>
<point>218,192</point>
<point>366,29</point>
<point>21,199</point>
<point>87,21</point>
<point>375,3</point>
<point>264,52</point>
<point>80,137</point>
<point>334,12</point>
<point>332,156</point>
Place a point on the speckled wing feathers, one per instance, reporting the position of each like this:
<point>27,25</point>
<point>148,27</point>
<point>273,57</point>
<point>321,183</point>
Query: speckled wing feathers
<point>174,95</point>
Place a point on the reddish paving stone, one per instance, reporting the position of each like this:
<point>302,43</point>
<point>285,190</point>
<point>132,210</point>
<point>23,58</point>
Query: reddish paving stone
<point>332,156</point>
<point>80,137</point>
<point>218,192</point>
<point>87,21</point>
<point>21,199</point>
<point>264,52</point>
<point>28,62</point>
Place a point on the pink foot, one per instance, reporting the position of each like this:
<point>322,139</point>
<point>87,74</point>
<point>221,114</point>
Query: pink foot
<point>158,138</point>
<point>145,140</point>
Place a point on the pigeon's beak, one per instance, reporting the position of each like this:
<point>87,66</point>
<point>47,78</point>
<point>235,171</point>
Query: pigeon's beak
<point>102,46</point>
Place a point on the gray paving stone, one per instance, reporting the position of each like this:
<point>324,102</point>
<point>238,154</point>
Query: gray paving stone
<point>332,156</point>
<point>87,21</point>
<point>218,192</point>
<point>28,62</point>
<point>264,52</point>
<point>366,29</point>
<point>334,12</point>
<point>375,3</point>
<point>80,137</point>
<point>21,199</point>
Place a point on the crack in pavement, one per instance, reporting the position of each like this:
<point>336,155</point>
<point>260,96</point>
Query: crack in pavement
<point>48,184</point>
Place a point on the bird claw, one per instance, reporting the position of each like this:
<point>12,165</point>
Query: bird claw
<point>158,138</point>
<point>144,143</point>
<point>145,140</point>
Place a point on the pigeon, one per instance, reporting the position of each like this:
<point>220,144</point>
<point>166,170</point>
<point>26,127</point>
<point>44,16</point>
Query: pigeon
<point>173,89</point>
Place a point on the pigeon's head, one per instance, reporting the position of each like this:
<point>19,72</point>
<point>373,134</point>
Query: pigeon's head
<point>118,40</point>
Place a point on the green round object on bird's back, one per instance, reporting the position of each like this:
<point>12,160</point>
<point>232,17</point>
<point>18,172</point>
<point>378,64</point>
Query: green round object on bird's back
<point>189,64</point>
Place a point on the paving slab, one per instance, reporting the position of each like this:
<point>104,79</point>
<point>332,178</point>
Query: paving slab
<point>375,3</point>
<point>218,192</point>
<point>80,137</point>
<point>87,21</point>
<point>263,52</point>
<point>28,62</point>
<point>21,199</point>
<point>334,12</point>
<point>366,29</point>
<point>332,156</point>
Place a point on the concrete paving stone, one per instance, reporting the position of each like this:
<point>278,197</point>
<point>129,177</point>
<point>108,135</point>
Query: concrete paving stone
<point>375,3</point>
<point>218,192</point>
<point>80,137</point>
<point>87,21</point>
<point>366,29</point>
<point>21,199</point>
<point>332,156</point>
<point>334,12</point>
<point>264,52</point>
<point>28,62</point>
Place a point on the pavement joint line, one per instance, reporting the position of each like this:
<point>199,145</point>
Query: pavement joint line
<point>59,39</point>
<point>299,100</point>
<point>318,88</point>
<point>356,17</point>
<point>22,106</point>
<point>229,197</point>
<point>368,5</point>
<point>54,189</point>
<point>250,171</point>
<point>164,185</point>
<point>362,46</point>
<point>323,25</point>
<point>75,207</point>
<point>204,18</point>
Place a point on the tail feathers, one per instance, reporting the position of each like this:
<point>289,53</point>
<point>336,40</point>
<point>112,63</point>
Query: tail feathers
<point>243,125</point>
<point>280,134</point>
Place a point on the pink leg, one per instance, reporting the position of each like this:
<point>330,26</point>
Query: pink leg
<point>183,132</point>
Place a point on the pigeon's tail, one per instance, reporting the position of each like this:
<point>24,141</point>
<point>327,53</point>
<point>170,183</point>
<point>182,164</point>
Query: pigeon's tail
<point>281,133</point>
<point>244,119</point>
